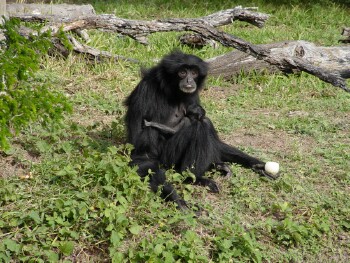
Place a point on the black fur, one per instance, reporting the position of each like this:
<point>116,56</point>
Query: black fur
<point>192,144</point>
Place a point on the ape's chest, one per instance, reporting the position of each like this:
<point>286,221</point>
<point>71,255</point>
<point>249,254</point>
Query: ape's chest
<point>175,115</point>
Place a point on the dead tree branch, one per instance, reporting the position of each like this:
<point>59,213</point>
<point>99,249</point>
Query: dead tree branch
<point>284,63</point>
<point>53,12</point>
<point>139,30</point>
<point>72,18</point>
<point>240,13</point>
<point>96,54</point>
<point>336,59</point>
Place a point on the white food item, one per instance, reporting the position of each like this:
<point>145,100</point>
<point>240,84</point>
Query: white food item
<point>272,168</point>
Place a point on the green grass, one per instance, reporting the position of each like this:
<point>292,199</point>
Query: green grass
<point>83,203</point>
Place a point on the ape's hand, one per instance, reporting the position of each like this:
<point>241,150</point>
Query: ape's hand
<point>195,112</point>
<point>260,169</point>
<point>146,123</point>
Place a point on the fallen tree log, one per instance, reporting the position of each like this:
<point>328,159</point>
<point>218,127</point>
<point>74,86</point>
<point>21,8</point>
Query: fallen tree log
<point>55,12</point>
<point>95,54</point>
<point>335,59</point>
<point>64,12</point>
<point>286,63</point>
<point>139,30</point>
<point>72,18</point>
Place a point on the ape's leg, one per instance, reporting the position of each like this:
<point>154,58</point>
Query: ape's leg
<point>157,178</point>
<point>203,181</point>
<point>234,155</point>
<point>208,149</point>
<point>195,148</point>
<point>223,168</point>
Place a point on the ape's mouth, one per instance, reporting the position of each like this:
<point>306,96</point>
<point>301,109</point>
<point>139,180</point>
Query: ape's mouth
<point>188,89</point>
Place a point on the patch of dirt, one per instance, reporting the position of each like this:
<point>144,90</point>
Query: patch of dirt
<point>267,140</point>
<point>270,141</point>
<point>9,166</point>
<point>88,117</point>
<point>17,163</point>
<point>220,93</point>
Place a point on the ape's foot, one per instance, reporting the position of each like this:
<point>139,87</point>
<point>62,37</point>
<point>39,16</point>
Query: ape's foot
<point>181,204</point>
<point>202,181</point>
<point>186,208</point>
<point>260,169</point>
<point>224,169</point>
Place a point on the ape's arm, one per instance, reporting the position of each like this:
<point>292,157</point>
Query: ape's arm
<point>144,140</point>
<point>193,112</point>
<point>167,129</point>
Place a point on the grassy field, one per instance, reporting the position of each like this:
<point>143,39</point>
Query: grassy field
<point>67,193</point>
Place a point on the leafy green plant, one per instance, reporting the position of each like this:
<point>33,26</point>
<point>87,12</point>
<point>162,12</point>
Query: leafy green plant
<point>289,232</point>
<point>98,200</point>
<point>163,248</point>
<point>22,99</point>
<point>236,242</point>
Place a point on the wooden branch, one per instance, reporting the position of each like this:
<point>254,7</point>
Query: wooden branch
<point>226,17</point>
<point>96,54</point>
<point>2,13</point>
<point>336,59</point>
<point>79,48</point>
<point>55,12</point>
<point>2,7</point>
<point>284,63</point>
<point>139,29</point>
<point>69,13</point>
<point>223,18</point>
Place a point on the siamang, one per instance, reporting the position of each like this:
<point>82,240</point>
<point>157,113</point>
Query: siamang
<point>168,127</point>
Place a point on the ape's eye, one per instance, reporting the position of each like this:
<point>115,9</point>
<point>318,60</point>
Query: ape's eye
<point>194,72</point>
<point>182,73</point>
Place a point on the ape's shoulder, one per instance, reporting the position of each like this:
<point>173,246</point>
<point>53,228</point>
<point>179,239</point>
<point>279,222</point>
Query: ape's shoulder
<point>146,91</point>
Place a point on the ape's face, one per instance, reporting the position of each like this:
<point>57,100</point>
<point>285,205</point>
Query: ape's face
<point>188,79</point>
<point>182,73</point>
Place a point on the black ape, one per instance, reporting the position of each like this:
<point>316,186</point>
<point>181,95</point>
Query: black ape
<point>168,127</point>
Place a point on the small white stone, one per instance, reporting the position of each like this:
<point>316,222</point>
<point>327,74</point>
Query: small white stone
<point>272,168</point>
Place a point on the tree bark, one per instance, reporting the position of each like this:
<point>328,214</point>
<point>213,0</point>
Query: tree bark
<point>66,13</point>
<point>55,12</point>
<point>2,14</point>
<point>2,10</point>
<point>286,63</point>
<point>335,59</point>
<point>2,7</point>
<point>139,29</point>
<point>294,60</point>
